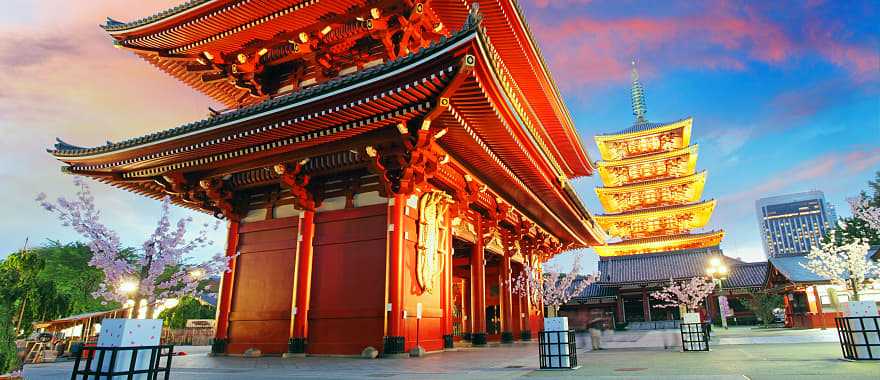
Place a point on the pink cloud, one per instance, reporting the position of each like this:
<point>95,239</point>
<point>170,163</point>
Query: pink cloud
<point>585,49</point>
<point>809,172</point>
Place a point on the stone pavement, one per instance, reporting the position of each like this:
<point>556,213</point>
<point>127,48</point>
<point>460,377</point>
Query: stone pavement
<point>801,361</point>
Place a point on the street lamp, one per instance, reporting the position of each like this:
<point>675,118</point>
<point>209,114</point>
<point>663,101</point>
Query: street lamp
<point>718,271</point>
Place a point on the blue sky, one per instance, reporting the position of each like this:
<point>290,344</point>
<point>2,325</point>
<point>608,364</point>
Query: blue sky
<point>784,97</point>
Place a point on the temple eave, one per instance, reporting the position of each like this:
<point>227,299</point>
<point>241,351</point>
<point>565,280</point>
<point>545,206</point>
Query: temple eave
<point>660,244</point>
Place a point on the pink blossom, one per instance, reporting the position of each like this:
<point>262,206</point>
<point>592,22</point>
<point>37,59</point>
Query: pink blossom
<point>690,293</point>
<point>158,266</point>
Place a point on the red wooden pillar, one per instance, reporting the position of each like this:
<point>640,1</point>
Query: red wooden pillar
<point>506,300</point>
<point>646,305</point>
<point>224,300</point>
<point>819,316</point>
<point>526,334</point>
<point>789,312</point>
<point>394,342</point>
<point>303,289</point>
<point>446,290</point>
<point>621,316</point>
<point>478,284</point>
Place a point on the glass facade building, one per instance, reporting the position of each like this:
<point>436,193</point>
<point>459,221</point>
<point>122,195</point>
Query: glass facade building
<point>791,224</point>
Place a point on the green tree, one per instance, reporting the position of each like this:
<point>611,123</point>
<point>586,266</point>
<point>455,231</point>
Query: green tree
<point>855,228</point>
<point>188,308</point>
<point>763,304</point>
<point>8,358</point>
<point>67,266</point>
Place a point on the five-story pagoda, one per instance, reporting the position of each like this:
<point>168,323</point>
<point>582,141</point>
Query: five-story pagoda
<point>652,190</point>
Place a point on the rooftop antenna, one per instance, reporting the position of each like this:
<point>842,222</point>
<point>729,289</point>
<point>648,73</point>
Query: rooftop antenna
<point>638,96</point>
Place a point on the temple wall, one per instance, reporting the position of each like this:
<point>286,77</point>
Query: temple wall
<point>348,280</point>
<point>260,313</point>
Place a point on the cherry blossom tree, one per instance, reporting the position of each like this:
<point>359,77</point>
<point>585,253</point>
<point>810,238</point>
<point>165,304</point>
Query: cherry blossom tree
<point>156,270</point>
<point>843,263</point>
<point>862,209</point>
<point>553,288</point>
<point>689,294</point>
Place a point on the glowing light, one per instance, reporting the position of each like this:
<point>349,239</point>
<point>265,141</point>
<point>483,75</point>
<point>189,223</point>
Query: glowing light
<point>197,273</point>
<point>326,30</point>
<point>242,57</point>
<point>208,55</point>
<point>375,12</point>
<point>128,286</point>
<point>171,303</point>
<point>262,52</point>
<point>303,37</point>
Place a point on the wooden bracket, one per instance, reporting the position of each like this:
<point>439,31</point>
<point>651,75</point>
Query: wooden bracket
<point>293,177</point>
<point>218,198</point>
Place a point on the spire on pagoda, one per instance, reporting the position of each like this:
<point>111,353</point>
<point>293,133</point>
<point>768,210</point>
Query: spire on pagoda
<point>638,97</point>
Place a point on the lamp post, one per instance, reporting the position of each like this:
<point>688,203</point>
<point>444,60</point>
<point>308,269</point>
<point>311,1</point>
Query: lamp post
<point>718,271</point>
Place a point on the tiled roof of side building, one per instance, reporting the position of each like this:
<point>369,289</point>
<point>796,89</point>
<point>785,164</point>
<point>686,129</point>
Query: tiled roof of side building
<point>656,266</point>
<point>746,275</point>
<point>597,290</point>
<point>689,263</point>
<point>791,267</point>
<point>63,149</point>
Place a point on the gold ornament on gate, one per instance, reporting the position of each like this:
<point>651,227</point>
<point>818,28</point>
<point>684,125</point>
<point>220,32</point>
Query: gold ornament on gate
<point>433,238</point>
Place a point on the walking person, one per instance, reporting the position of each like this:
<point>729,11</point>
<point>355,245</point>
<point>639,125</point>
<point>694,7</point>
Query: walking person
<point>596,326</point>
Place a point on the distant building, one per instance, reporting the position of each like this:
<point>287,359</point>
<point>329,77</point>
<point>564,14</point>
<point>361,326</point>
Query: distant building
<point>790,224</point>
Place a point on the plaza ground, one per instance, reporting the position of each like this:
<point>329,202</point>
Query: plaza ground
<point>738,353</point>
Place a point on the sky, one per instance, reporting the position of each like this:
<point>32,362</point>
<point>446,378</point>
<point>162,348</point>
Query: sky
<point>785,97</point>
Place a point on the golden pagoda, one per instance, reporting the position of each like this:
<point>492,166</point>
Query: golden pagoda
<point>652,189</point>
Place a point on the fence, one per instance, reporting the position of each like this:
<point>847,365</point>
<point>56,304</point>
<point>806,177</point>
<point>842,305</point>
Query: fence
<point>110,362</point>
<point>859,337</point>
<point>557,349</point>
<point>694,336</point>
<point>188,336</point>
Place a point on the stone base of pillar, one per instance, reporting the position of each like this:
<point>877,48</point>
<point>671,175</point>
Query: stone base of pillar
<point>448,341</point>
<point>393,345</point>
<point>506,337</point>
<point>297,345</point>
<point>525,335</point>
<point>478,339</point>
<point>467,336</point>
<point>218,346</point>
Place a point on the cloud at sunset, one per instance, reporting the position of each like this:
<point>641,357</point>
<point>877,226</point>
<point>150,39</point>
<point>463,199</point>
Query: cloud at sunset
<point>584,47</point>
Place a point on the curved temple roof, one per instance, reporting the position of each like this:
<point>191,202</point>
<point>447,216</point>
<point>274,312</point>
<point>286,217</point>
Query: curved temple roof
<point>142,158</point>
<point>193,25</point>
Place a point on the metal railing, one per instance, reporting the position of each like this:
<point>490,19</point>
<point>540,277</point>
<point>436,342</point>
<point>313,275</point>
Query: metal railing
<point>557,349</point>
<point>694,336</point>
<point>104,362</point>
<point>859,337</point>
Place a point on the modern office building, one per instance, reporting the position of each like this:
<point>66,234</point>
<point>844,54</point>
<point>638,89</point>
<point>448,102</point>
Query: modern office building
<point>790,224</point>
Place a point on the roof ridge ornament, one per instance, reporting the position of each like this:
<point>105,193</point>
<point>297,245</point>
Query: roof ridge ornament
<point>638,97</point>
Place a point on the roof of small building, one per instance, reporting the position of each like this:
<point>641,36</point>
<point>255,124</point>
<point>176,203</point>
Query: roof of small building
<point>792,267</point>
<point>596,290</point>
<point>746,275</point>
<point>656,266</point>
<point>678,265</point>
